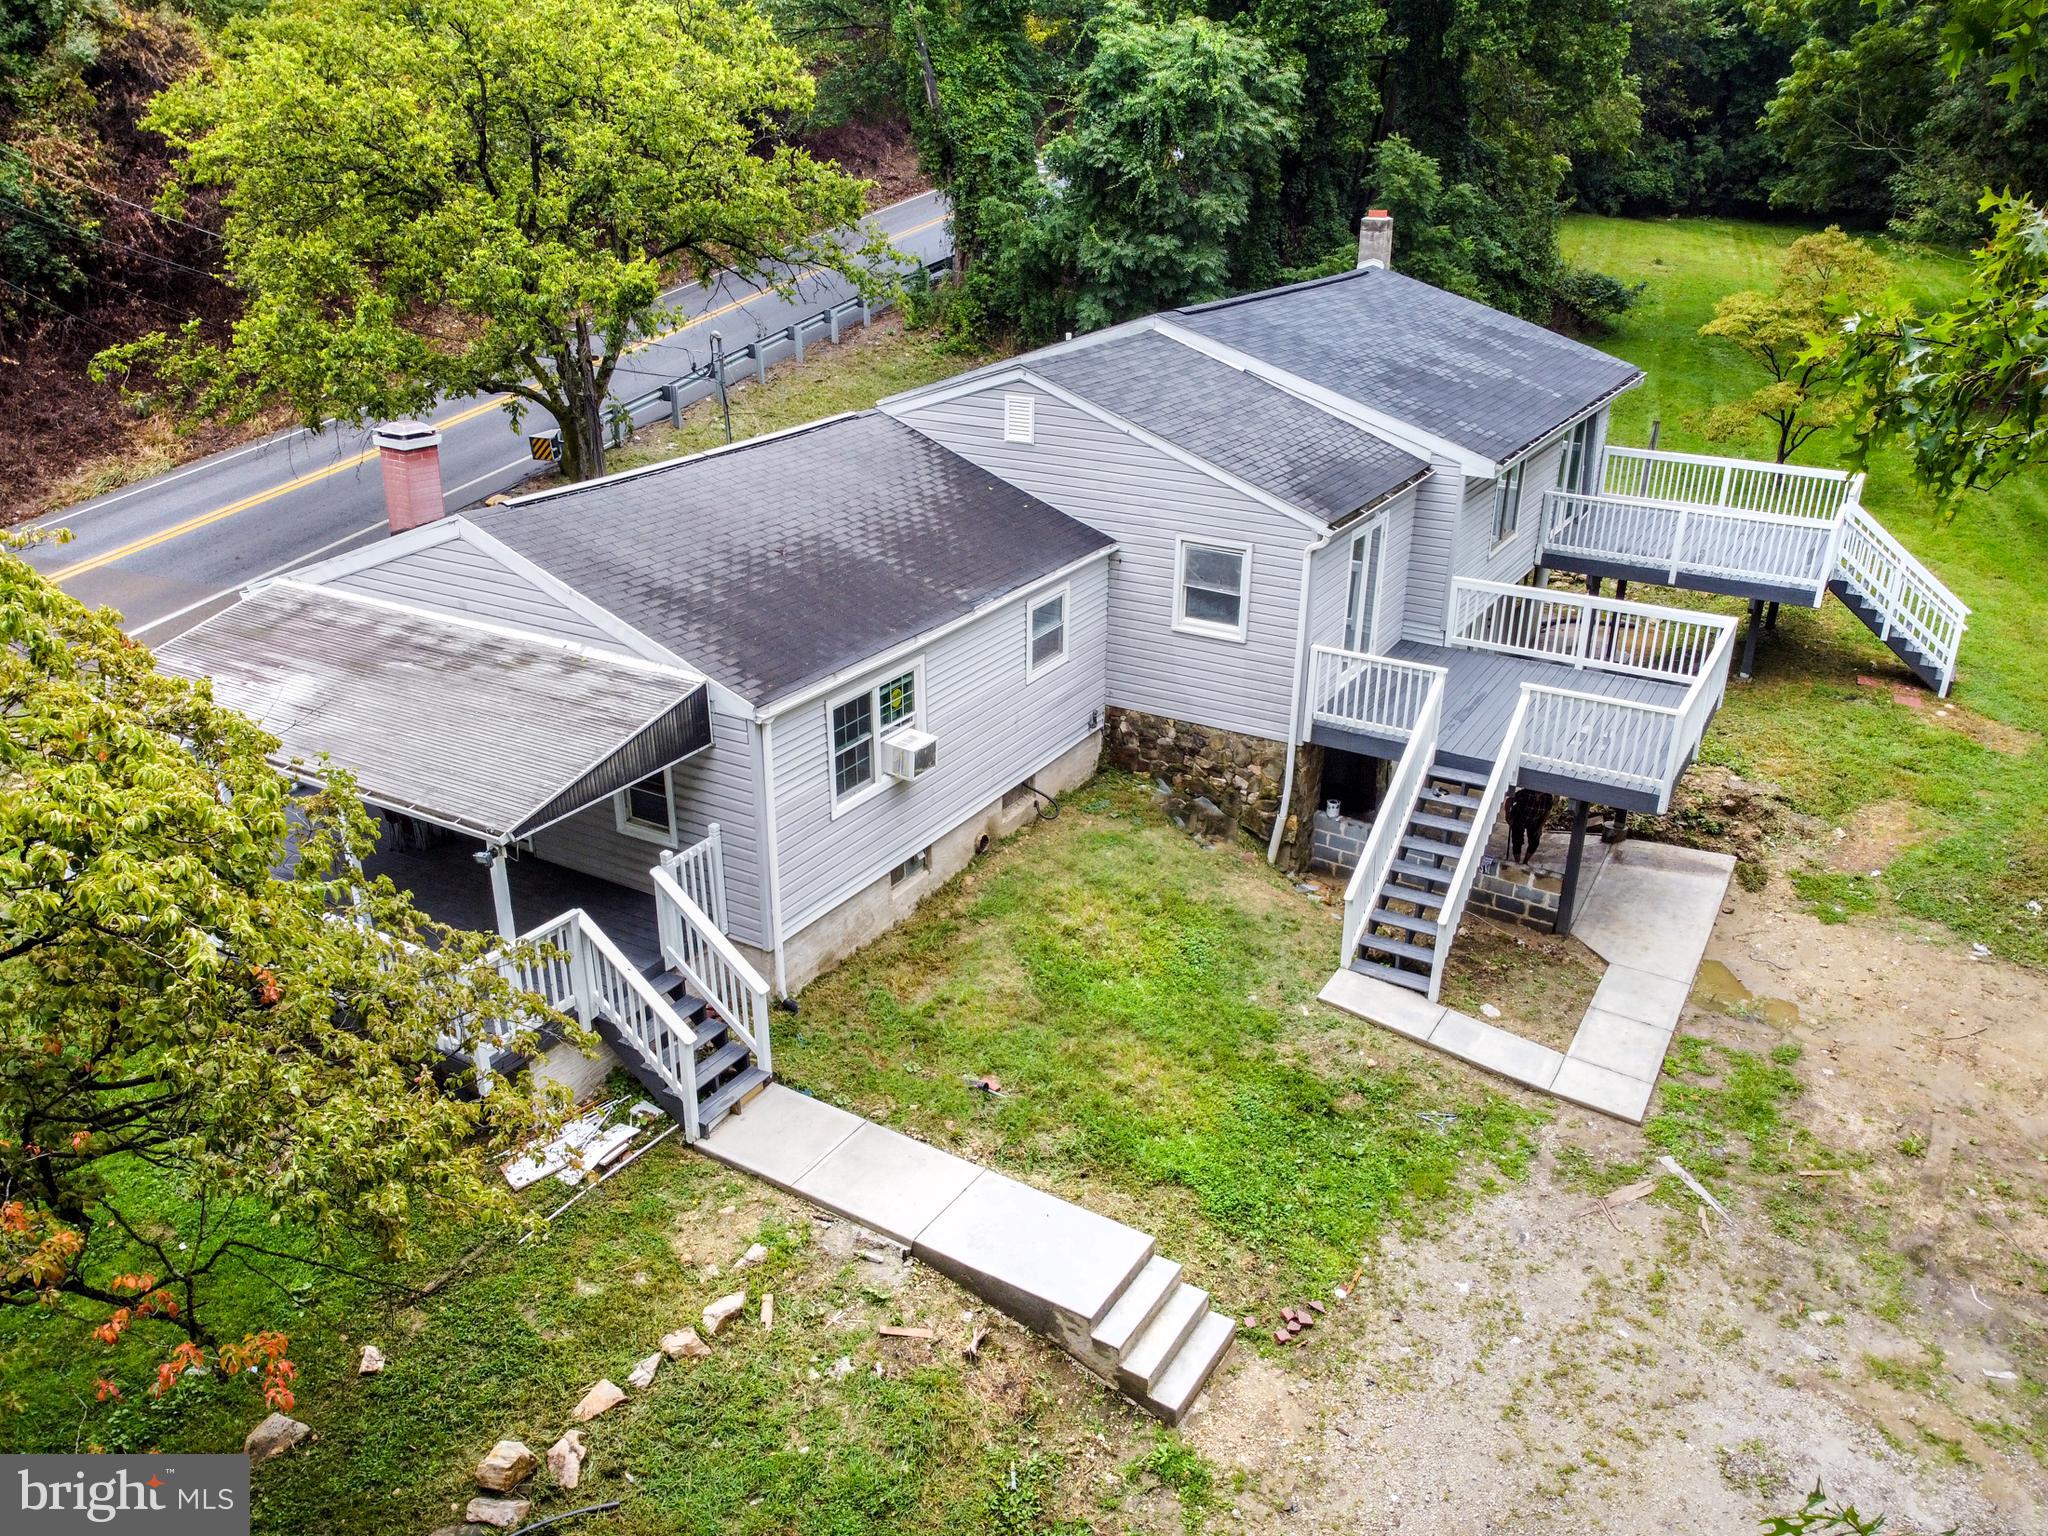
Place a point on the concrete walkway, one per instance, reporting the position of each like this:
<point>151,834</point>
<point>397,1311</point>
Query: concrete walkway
<point>1649,917</point>
<point>1094,1286</point>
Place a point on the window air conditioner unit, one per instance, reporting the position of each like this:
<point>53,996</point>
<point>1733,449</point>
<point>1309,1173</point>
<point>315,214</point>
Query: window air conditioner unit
<point>909,753</point>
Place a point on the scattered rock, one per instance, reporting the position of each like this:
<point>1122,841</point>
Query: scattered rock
<point>605,1395</point>
<point>372,1361</point>
<point>1488,1011</point>
<point>565,1459</point>
<point>502,1513</point>
<point>723,1310</point>
<point>684,1343</point>
<point>728,1210</point>
<point>509,1464</point>
<point>463,1528</point>
<point>750,1258</point>
<point>274,1436</point>
<point>767,1311</point>
<point>841,1368</point>
<point>642,1375</point>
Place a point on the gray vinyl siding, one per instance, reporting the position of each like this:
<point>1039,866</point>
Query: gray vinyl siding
<point>1329,580</point>
<point>1476,555</point>
<point>1439,503</point>
<point>995,729</point>
<point>721,784</point>
<point>1145,498</point>
<point>454,576</point>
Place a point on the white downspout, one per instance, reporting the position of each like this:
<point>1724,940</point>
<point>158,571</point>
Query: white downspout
<point>1294,701</point>
<point>773,854</point>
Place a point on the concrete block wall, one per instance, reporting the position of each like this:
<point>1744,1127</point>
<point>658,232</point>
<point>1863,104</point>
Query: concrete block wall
<point>1493,891</point>
<point>1338,842</point>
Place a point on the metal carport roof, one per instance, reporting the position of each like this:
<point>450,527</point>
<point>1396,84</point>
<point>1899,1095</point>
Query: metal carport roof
<point>477,729</point>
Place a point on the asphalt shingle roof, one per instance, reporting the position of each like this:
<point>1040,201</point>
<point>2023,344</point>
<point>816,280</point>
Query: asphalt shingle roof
<point>1449,365</point>
<point>1241,424</point>
<point>778,563</point>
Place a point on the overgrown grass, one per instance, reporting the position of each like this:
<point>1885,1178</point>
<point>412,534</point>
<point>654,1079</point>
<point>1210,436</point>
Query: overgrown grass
<point>1148,1006</point>
<point>868,364</point>
<point>1974,779</point>
<point>764,1436</point>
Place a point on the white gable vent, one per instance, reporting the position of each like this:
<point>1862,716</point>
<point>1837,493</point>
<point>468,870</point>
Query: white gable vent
<point>1020,418</point>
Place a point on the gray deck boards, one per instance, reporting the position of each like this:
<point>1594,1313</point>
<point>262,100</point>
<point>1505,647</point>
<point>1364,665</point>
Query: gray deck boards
<point>1482,687</point>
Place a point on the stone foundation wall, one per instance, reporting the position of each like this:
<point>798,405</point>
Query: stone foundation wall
<point>1215,780</point>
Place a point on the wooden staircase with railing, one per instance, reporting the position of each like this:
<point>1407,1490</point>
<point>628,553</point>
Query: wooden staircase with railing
<point>1403,940</point>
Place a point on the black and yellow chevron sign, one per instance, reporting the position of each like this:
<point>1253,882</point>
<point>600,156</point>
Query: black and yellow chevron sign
<point>546,447</point>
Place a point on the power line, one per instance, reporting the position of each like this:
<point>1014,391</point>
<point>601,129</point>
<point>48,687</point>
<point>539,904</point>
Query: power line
<point>50,303</point>
<point>114,197</point>
<point>134,250</point>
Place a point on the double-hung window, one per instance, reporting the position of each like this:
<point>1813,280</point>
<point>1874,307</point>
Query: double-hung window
<point>1574,469</point>
<point>647,809</point>
<point>1048,633</point>
<point>859,720</point>
<point>1507,504</point>
<point>1210,588</point>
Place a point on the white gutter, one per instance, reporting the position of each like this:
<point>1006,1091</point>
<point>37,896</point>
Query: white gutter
<point>773,856</point>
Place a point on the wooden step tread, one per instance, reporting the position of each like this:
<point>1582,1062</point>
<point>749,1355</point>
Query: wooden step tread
<point>719,1062</point>
<point>1439,823</point>
<point>1443,770</point>
<point>1414,924</point>
<point>1416,870</point>
<point>1381,944</point>
<point>729,1096</point>
<point>1414,981</point>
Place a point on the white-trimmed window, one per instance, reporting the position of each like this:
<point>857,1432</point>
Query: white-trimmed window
<point>1020,419</point>
<point>1507,504</point>
<point>1047,646</point>
<point>860,719</point>
<point>1574,467</point>
<point>1211,588</point>
<point>648,809</point>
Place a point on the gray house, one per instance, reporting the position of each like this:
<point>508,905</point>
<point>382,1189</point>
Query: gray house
<point>714,724</point>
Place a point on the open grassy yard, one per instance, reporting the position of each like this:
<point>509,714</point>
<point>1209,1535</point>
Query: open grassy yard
<point>1958,792</point>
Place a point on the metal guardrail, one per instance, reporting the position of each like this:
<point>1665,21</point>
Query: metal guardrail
<point>673,396</point>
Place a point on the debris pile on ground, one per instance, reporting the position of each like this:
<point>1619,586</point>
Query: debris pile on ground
<point>586,1144</point>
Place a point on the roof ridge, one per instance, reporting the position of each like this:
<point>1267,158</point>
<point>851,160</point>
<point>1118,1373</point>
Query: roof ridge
<point>1301,287</point>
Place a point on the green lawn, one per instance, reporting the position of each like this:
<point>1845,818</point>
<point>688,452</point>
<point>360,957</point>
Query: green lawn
<point>1971,783</point>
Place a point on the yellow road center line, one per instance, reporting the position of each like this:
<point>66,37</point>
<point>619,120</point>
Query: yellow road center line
<point>178,530</point>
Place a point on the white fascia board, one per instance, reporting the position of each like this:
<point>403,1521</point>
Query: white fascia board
<point>810,692</point>
<point>1402,434</point>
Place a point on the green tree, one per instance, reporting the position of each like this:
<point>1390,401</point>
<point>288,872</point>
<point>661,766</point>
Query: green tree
<point>455,196</point>
<point>1787,332</point>
<point>1963,387</point>
<point>1176,126</point>
<point>214,1029</point>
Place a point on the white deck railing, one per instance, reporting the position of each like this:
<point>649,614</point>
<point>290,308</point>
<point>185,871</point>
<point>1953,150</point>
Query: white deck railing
<point>1908,595</point>
<point>580,970</point>
<point>1722,543</point>
<point>1583,735</point>
<point>1607,633</point>
<point>1373,694</point>
<point>1388,827</point>
<point>1507,767</point>
<point>1743,485</point>
<point>689,887</point>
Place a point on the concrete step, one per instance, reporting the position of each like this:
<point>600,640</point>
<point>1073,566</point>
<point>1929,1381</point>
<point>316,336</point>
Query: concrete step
<point>1139,1304</point>
<point>1190,1369</point>
<point>1148,1357</point>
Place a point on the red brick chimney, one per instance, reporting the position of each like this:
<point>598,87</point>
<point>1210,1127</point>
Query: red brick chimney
<point>1376,239</point>
<point>411,455</point>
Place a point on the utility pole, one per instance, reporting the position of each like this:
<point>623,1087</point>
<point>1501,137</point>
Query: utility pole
<point>718,374</point>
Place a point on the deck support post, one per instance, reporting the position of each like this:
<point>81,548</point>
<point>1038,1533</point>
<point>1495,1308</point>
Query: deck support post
<point>1592,586</point>
<point>1621,589</point>
<point>1756,615</point>
<point>1771,618</point>
<point>1569,895</point>
<point>501,890</point>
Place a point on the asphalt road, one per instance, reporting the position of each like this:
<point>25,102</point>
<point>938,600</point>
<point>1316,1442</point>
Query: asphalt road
<point>168,551</point>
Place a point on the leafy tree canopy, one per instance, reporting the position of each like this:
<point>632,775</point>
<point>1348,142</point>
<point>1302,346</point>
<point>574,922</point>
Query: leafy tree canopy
<point>1786,333</point>
<point>213,1027</point>
<point>455,196</point>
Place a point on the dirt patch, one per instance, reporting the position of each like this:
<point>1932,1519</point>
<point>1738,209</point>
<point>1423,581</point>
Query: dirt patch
<point>1540,983</point>
<point>1548,1363</point>
<point>1872,838</point>
<point>879,153</point>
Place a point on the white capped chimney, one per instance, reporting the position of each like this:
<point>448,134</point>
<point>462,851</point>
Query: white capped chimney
<point>410,452</point>
<point>1376,239</point>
